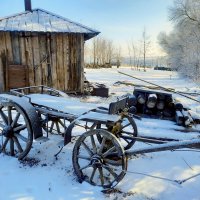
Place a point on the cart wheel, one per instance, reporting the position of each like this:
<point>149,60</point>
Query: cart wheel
<point>56,125</point>
<point>99,163</point>
<point>16,135</point>
<point>127,132</point>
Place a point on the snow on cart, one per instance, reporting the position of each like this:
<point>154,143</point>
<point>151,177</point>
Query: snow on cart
<point>100,155</point>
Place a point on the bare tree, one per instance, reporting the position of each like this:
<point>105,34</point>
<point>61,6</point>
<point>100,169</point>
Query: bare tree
<point>146,43</point>
<point>183,44</point>
<point>102,52</point>
<point>130,55</point>
<point>118,56</point>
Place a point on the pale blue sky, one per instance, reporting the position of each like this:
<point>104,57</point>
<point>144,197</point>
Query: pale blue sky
<point>118,20</point>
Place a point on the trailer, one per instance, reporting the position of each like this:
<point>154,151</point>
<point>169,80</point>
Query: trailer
<point>100,155</point>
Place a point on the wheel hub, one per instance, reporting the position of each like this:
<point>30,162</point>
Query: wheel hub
<point>96,161</point>
<point>8,132</point>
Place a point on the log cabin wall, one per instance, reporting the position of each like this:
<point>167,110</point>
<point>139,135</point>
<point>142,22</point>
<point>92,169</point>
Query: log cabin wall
<point>52,59</point>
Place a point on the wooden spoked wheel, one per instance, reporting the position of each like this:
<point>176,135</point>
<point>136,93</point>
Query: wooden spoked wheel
<point>56,125</point>
<point>99,163</point>
<point>53,124</point>
<point>16,135</point>
<point>127,132</point>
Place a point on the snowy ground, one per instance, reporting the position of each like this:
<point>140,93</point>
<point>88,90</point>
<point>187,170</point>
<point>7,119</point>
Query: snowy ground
<point>49,178</point>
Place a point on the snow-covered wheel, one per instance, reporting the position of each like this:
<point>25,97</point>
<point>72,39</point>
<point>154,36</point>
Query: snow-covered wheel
<point>16,135</point>
<point>55,125</point>
<point>99,163</point>
<point>127,132</point>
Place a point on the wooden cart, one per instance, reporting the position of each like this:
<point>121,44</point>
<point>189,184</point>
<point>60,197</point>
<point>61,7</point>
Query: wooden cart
<point>100,154</point>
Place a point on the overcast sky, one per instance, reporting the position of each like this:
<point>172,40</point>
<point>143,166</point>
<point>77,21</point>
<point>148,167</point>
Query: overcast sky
<point>118,20</point>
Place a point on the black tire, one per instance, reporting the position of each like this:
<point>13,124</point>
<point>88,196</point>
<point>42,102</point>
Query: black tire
<point>99,163</point>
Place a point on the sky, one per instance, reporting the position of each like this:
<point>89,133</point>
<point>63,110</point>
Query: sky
<point>121,21</point>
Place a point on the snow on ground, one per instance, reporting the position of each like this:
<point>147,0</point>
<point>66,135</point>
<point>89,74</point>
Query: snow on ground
<point>45,177</point>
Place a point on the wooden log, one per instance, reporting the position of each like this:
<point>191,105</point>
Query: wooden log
<point>161,96</point>
<point>179,118</point>
<point>151,101</point>
<point>178,106</point>
<point>188,119</point>
<point>160,105</point>
<point>169,99</point>
<point>132,100</point>
<point>132,110</point>
<point>141,99</point>
<point>168,113</point>
<point>195,116</point>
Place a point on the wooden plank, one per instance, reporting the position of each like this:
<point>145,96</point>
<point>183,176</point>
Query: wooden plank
<point>69,62</point>
<point>15,48</point>
<point>53,60</point>
<point>72,74</point>
<point>2,77</point>
<point>82,63</point>
<point>78,63</point>
<point>29,59</point>
<point>4,60</point>
<point>43,57</point>
<point>49,61</point>
<point>36,59</point>
<point>24,57</point>
<point>75,71</point>
<point>59,65</point>
<point>8,42</point>
<point>22,49</point>
<point>65,61</point>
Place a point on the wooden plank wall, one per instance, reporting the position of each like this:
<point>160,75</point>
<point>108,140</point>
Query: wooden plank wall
<point>55,60</point>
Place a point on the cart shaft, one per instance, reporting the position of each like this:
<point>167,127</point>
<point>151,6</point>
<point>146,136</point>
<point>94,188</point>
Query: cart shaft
<point>165,147</point>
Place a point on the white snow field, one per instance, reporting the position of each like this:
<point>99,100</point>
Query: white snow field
<point>44,177</point>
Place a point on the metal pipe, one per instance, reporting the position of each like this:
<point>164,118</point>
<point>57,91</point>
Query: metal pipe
<point>163,88</point>
<point>27,4</point>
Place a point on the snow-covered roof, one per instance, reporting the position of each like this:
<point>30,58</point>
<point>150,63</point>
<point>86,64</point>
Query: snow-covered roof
<point>39,20</point>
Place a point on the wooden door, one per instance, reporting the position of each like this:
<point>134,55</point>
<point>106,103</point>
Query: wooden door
<point>17,76</point>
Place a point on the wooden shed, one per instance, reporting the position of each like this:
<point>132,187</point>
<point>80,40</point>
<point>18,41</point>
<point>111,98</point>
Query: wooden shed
<point>38,47</point>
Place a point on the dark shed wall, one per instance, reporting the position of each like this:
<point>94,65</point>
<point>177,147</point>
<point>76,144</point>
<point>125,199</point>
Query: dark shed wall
<point>55,60</point>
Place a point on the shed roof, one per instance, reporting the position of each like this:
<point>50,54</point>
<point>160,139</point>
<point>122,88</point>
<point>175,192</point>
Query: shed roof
<point>39,20</point>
